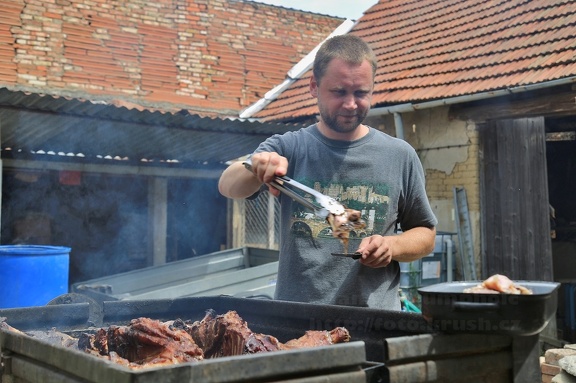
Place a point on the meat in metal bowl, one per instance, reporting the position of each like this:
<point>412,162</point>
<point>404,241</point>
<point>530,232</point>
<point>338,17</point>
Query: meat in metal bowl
<point>449,309</point>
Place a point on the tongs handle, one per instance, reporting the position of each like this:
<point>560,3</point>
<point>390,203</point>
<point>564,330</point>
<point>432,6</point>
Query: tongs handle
<point>355,255</point>
<point>278,184</point>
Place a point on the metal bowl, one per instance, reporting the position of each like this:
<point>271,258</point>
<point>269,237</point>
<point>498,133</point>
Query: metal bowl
<point>448,309</point>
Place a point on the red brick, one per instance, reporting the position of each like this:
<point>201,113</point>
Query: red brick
<point>550,369</point>
<point>552,356</point>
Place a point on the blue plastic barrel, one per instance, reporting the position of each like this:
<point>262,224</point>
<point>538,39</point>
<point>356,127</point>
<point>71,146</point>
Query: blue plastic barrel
<point>32,275</point>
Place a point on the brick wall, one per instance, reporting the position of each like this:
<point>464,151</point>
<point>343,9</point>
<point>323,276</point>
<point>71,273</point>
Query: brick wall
<point>208,56</point>
<point>439,184</point>
<point>449,152</point>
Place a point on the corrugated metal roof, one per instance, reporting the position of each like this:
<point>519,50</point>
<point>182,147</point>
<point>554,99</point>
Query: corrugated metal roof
<point>83,131</point>
<point>437,49</point>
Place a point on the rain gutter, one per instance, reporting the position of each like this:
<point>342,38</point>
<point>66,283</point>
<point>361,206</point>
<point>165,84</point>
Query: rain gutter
<point>396,110</point>
<point>295,73</point>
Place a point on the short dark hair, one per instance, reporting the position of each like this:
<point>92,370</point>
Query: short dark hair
<point>349,48</point>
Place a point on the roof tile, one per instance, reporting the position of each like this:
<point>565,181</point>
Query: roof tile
<point>435,49</point>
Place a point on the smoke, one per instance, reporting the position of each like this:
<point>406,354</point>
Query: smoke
<point>105,219</point>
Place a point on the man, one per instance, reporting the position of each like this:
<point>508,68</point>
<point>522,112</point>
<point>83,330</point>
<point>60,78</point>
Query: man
<point>365,169</point>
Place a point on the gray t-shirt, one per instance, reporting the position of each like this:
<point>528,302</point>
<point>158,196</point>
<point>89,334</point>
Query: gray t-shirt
<point>379,175</point>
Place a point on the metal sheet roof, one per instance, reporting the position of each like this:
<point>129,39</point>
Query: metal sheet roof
<point>43,128</point>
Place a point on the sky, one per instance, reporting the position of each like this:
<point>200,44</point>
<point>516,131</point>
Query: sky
<point>351,9</point>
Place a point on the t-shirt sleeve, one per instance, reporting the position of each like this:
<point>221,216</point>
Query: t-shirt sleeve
<point>414,208</point>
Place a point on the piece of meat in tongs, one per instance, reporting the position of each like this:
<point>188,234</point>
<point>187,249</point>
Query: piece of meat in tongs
<point>341,220</point>
<point>343,224</point>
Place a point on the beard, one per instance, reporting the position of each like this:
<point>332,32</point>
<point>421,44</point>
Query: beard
<point>351,123</point>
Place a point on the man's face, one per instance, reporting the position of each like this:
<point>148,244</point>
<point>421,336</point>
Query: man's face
<point>344,95</point>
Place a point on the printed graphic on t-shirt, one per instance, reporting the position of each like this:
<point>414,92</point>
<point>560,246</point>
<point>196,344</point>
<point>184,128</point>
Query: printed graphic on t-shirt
<point>371,200</point>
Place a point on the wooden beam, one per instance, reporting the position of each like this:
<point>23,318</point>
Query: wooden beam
<point>112,169</point>
<point>238,223</point>
<point>543,103</point>
<point>158,218</point>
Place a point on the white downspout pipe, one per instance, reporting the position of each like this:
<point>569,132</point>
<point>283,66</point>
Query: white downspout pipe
<point>399,126</point>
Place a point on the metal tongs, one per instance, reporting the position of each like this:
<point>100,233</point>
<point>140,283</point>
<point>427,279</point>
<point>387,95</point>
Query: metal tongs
<point>324,204</point>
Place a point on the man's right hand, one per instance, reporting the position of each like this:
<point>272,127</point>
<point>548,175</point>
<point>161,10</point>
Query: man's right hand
<point>267,166</point>
<point>238,182</point>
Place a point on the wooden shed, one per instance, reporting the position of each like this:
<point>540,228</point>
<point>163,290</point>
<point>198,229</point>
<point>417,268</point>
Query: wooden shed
<point>123,188</point>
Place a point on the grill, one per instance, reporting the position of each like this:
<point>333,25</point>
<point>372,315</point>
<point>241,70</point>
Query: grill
<point>386,346</point>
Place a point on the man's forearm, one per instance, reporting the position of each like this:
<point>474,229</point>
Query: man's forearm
<point>415,243</point>
<point>238,182</point>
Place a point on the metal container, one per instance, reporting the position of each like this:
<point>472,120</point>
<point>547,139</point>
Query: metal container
<point>339,363</point>
<point>433,269</point>
<point>398,346</point>
<point>410,273</point>
<point>33,360</point>
<point>242,272</point>
<point>449,309</point>
<point>32,275</point>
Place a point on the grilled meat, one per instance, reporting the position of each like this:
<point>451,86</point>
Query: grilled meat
<point>314,338</point>
<point>497,284</point>
<point>344,223</point>
<point>150,343</point>
<point>143,342</point>
<point>228,335</point>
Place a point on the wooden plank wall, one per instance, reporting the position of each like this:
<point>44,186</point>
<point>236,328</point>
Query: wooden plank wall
<point>514,199</point>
